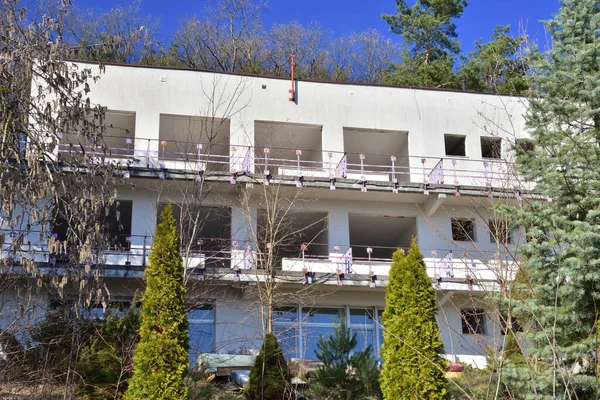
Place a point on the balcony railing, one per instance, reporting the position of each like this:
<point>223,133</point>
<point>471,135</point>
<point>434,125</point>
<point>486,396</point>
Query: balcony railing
<point>301,164</point>
<point>237,261</point>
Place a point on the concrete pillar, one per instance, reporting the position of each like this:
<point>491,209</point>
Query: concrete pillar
<point>338,230</point>
<point>243,225</point>
<point>143,219</point>
<point>332,139</point>
<point>147,128</point>
<point>241,141</point>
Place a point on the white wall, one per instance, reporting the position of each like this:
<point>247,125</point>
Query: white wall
<point>425,114</point>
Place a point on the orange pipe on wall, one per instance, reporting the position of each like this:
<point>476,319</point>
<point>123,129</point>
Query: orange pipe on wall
<point>292,91</point>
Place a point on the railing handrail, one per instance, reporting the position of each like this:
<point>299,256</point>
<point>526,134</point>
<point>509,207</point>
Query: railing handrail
<point>293,149</point>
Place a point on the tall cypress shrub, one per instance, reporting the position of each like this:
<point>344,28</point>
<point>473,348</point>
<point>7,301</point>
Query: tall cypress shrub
<point>161,358</point>
<point>412,367</point>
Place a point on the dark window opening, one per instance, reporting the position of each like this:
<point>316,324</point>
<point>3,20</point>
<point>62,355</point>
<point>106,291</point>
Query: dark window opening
<point>205,230</point>
<point>463,230</point>
<point>116,222</point>
<point>509,323</point>
<point>473,321</point>
<point>455,145</point>
<point>491,147</point>
<point>523,146</point>
<point>500,231</point>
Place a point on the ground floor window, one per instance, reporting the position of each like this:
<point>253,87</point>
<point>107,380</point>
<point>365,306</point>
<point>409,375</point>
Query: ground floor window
<point>473,321</point>
<point>201,332</point>
<point>298,329</point>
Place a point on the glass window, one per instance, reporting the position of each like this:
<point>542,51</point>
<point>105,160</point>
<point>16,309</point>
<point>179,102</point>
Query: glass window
<point>201,331</point>
<point>285,314</point>
<point>288,340</point>
<point>201,339</point>
<point>311,335</point>
<point>364,338</point>
<point>321,315</point>
<point>361,316</point>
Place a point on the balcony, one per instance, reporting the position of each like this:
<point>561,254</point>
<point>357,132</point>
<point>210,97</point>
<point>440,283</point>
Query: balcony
<point>297,166</point>
<point>237,262</point>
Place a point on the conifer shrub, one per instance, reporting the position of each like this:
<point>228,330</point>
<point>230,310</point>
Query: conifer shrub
<point>345,374</point>
<point>412,367</point>
<point>270,375</point>
<point>105,365</point>
<point>161,357</point>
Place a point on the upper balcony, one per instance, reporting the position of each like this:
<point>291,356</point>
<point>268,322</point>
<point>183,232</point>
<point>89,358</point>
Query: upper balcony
<point>393,172</point>
<point>192,147</point>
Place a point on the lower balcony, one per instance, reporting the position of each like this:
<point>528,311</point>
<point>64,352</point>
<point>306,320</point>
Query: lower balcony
<point>354,266</point>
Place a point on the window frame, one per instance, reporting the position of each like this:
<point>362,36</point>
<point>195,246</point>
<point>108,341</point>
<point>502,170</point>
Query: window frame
<point>202,321</point>
<point>467,238</point>
<point>477,327</point>
<point>493,142</point>
<point>494,227</point>
<point>301,325</point>
<point>461,138</point>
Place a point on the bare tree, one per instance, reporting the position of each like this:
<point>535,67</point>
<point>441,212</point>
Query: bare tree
<point>227,38</point>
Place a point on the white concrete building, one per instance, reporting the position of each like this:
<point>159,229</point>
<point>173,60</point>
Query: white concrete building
<point>363,169</point>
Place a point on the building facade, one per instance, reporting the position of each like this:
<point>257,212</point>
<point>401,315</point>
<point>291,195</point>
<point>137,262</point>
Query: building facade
<point>310,186</point>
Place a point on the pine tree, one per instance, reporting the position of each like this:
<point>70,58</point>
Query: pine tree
<point>270,376</point>
<point>496,66</point>
<point>345,373</point>
<point>562,255</point>
<point>161,357</point>
<point>429,36</point>
<point>412,367</point>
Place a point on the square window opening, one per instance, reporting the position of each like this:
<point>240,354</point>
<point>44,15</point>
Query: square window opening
<point>523,146</point>
<point>463,230</point>
<point>455,145</point>
<point>500,231</point>
<point>491,147</point>
<point>473,321</point>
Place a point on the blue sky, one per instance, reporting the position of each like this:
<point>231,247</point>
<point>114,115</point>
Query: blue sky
<point>345,16</point>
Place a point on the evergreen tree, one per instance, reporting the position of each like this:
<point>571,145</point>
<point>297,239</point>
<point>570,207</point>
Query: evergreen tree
<point>562,255</point>
<point>161,357</point>
<point>412,367</point>
<point>430,44</point>
<point>346,374</point>
<point>105,365</point>
<point>270,376</point>
<point>496,66</point>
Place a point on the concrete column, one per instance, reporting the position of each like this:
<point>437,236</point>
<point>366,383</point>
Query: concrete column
<point>143,219</point>
<point>338,230</point>
<point>147,128</point>
<point>243,226</point>
<point>332,139</point>
<point>241,141</point>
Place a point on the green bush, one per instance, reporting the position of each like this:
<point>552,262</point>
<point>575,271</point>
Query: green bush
<point>270,376</point>
<point>58,338</point>
<point>161,357</point>
<point>412,367</point>
<point>106,364</point>
<point>345,374</point>
<point>16,362</point>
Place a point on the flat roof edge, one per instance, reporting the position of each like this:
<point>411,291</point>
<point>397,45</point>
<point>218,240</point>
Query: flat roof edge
<point>331,82</point>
